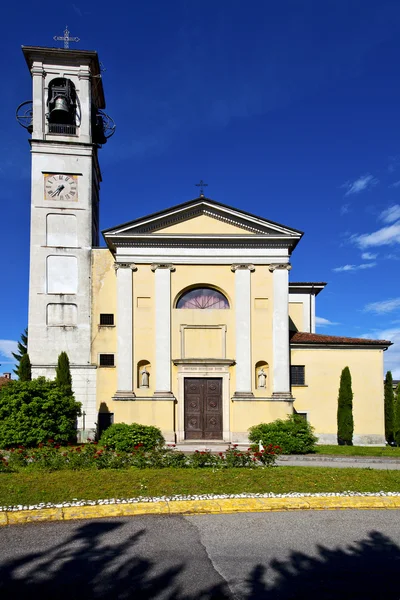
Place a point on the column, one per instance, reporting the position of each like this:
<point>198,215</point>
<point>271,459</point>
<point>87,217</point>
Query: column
<point>39,101</point>
<point>162,292</point>
<point>124,330</point>
<point>280,331</point>
<point>243,329</point>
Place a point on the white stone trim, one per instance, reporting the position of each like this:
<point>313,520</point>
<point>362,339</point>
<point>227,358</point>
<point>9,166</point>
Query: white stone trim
<point>201,371</point>
<point>243,328</point>
<point>162,284</point>
<point>280,330</point>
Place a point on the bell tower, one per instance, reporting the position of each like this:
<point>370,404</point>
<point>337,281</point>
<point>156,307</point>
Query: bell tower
<point>68,126</point>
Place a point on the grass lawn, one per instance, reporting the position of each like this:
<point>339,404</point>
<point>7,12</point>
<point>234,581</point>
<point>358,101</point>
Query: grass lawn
<point>59,486</point>
<point>359,450</point>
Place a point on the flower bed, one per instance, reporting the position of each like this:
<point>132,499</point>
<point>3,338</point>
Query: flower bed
<point>53,457</point>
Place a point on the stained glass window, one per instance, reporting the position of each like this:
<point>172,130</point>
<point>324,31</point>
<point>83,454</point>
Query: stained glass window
<point>204,298</point>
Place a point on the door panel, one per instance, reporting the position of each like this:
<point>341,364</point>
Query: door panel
<point>203,409</point>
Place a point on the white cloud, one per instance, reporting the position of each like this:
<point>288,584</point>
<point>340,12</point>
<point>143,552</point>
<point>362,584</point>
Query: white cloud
<point>392,354</point>
<point>391,214</point>
<point>360,184</point>
<point>344,209</point>
<point>354,267</point>
<point>395,184</point>
<point>368,256</point>
<point>7,347</point>
<point>384,306</point>
<point>321,322</point>
<point>392,256</point>
<point>385,236</point>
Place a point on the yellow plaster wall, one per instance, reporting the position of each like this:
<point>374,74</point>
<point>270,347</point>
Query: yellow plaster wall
<point>248,413</point>
<point>157,413</point>
<point>296,314</point>
<point>143,325</point>
<point>323,368</point>
<point>261,325</point>
<point>104,339</point>
<point>204,225</point>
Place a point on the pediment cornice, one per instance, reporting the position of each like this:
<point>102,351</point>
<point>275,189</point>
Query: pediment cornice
<point>150,230</point>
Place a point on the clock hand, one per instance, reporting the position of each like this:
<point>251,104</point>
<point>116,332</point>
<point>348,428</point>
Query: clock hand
<point>58,191</point>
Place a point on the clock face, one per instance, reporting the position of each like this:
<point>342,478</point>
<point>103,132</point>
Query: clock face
<point>60,187</point>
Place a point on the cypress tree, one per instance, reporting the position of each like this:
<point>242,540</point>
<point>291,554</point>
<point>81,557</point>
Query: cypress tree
<point>24,370</point>
<point>22,349</point>
<point>389,408</point>
<point>63,374</point>
<point>345,424</point>
<point>397,416</point>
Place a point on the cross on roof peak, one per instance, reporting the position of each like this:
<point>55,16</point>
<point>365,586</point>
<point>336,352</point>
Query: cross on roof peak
<point>201,185</point>
<point>65,38</point>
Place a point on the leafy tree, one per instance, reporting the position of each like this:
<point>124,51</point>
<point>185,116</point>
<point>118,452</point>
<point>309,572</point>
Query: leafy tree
<point>35,411</point>
<point>345,423</point>
<point>389,408</point>
<point>397,416</point>
<point>24,371</point>
<point>63,373</point>
<point>22,349</point>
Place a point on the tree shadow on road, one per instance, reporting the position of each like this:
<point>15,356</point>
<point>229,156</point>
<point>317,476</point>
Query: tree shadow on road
<point>87,567</point>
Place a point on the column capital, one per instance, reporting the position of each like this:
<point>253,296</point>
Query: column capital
<point>246,266</point>
<point>286,266</point>
<point>38,71</point>
<point>131,266</point>
<point>156,266</point>
<point>84,73</point>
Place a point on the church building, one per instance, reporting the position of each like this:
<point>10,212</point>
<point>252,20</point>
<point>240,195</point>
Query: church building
<point>187,319</point>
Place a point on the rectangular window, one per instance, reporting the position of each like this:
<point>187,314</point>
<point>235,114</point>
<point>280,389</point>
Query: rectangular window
<point>107,360</point>
<point>106,319</point>
<point>303,415</point>
<point>297,375</point>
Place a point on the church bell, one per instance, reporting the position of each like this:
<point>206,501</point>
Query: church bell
<point>60,113</point>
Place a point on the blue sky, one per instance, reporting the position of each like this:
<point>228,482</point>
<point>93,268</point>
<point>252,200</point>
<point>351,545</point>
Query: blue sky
<point>288,109</point>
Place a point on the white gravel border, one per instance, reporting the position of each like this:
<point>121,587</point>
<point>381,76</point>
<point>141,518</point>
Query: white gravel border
<point>76,502</point>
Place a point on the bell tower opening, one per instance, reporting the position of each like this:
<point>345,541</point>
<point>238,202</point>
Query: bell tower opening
<point>62,102</point>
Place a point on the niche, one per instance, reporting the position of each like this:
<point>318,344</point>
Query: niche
<point>62,275</point>
<point>143,374</point>
<point>262,375</point>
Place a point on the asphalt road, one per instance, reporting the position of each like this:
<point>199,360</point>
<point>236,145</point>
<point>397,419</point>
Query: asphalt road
<point>316,554</point>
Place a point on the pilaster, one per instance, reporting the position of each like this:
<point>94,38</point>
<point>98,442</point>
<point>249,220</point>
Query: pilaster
<point>280,331</point>
<point>162,273</point>
<point>38,75</point>
<point>124,272</point>
<point>243,329</point>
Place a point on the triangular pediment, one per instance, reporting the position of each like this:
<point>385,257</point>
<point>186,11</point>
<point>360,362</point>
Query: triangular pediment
<point>201,217</point>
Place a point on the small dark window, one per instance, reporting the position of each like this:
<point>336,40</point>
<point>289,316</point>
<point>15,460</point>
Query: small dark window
<point>106,319</point>
<point>302,415</point>
<point>297,375</point>
<point>106,360</point>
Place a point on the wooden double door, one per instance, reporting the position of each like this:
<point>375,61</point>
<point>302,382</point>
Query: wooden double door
<point>203,408</point>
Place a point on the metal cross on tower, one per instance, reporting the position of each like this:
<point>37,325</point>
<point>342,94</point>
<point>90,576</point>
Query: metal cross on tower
<point>65,38</point>
<point>201,185</point>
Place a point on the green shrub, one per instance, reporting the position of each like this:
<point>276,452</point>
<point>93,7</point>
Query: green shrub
<point>124,438</point>
<point>31,412</point>
<point>293,436</point>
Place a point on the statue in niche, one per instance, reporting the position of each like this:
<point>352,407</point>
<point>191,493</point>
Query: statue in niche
<point>144,377</point>
<point>262,379</point>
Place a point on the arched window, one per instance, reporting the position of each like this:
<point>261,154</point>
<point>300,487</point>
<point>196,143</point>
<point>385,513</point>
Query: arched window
<point>204,298</point>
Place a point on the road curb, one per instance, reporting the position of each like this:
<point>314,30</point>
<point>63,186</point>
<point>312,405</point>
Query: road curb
<point>196,507</point>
